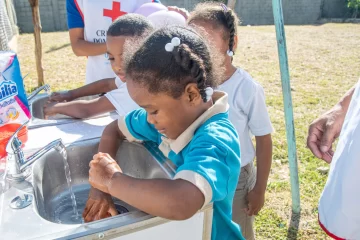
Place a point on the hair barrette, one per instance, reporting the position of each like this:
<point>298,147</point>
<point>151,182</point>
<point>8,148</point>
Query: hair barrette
<point>209,92</point>
<point>225,8</point>
<point>169,47</point>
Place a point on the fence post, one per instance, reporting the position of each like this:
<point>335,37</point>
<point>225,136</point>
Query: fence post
<point>288,107</point>
<point>37,35</point>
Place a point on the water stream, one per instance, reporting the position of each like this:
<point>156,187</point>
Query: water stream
<point>75,215</point>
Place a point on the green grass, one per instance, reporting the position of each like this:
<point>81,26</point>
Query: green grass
<point>62,69</point>
<point>324,62</point>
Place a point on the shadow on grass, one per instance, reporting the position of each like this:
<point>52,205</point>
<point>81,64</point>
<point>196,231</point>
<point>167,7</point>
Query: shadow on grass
<point>53,49</point>
<point>293,226</point>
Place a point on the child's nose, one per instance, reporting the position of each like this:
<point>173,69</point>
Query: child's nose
<point>151,119</point>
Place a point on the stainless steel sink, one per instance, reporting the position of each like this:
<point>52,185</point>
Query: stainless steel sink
<point>50,215</point>
<point>52,194</point>
<point>38,118</point>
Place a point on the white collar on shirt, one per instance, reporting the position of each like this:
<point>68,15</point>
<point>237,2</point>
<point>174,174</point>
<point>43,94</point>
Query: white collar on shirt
<point>221,105</point>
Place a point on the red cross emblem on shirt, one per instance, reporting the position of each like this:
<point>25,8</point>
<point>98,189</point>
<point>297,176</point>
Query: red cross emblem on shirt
<point>115,12</point>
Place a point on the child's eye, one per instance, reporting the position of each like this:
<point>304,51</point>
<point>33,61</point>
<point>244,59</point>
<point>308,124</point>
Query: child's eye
<point>111,58</point>
<point>154,112</point>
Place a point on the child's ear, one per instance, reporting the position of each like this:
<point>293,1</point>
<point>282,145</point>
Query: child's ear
<point>235,43</point>
<point>192,93</point>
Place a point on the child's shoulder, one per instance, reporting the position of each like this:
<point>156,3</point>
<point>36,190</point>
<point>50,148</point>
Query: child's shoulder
<point>244,81</point>
<point>241,88</point>
<point>216,130</point>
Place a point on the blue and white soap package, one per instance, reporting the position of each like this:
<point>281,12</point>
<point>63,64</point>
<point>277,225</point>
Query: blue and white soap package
<point>14,107</point>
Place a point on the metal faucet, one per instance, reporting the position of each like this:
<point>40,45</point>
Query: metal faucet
<point>16,161</point>
<point>45,87</point>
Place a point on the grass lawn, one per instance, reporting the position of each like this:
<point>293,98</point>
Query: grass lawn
<point>324,62</point>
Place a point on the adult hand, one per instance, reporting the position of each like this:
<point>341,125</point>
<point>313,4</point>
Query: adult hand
<point>324,131</point>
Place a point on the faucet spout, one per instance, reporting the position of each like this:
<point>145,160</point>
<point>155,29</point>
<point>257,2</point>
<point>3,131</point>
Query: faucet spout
<point>16,161</point>
<point>45,87</point>
<point>57,145</point>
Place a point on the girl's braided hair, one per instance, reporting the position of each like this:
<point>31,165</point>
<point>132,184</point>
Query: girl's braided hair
<point>161,70</point>
<point>218,15</point>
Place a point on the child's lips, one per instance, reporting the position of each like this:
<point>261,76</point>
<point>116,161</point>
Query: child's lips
<point>162,130</point>
<point>120,75</point>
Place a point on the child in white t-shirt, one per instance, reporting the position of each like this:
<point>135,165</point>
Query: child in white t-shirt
<point>247,112</point>
<point>129,26</point>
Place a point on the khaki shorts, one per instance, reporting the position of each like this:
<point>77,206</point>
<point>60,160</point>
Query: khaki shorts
<point>246,183</point>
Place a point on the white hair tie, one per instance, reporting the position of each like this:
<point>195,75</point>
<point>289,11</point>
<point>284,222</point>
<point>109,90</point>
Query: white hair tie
<point>209,92</point>
<point>169,47</point>
<point>230,53</point>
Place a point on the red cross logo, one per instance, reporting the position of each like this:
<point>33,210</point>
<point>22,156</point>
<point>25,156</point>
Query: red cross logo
<point>115,12</point>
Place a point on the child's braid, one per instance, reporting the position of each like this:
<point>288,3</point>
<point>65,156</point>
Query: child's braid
<point>230,20</point>
<point>192,63</point>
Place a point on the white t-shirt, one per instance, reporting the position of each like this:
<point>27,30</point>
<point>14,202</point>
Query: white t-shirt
<point>121,99</point>
<point>97,16</point>
<point>248,112</point>
<point>339,205</point>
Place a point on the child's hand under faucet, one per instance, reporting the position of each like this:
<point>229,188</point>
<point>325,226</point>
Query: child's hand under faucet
<point>61,96</point>
<point>99,205</point>
<point>102,170</point>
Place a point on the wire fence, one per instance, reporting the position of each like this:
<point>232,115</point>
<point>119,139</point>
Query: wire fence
<point>8,24</point>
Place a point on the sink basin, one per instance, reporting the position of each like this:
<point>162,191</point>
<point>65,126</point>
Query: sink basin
<point>38,118</point>
<point>52,193</point>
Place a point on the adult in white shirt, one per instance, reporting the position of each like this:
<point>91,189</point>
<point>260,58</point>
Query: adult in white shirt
<point>339,208</point>
<point>88,22</point>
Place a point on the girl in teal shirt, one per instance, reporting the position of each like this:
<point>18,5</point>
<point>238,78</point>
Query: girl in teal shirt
<point>172,77</point>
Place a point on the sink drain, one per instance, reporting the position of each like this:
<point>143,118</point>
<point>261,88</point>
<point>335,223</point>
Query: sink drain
<point>121,209</point>
<point>21,201</point>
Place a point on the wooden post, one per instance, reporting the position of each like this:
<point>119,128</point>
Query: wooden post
<point>231,4</point>
<point>37,35</point>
